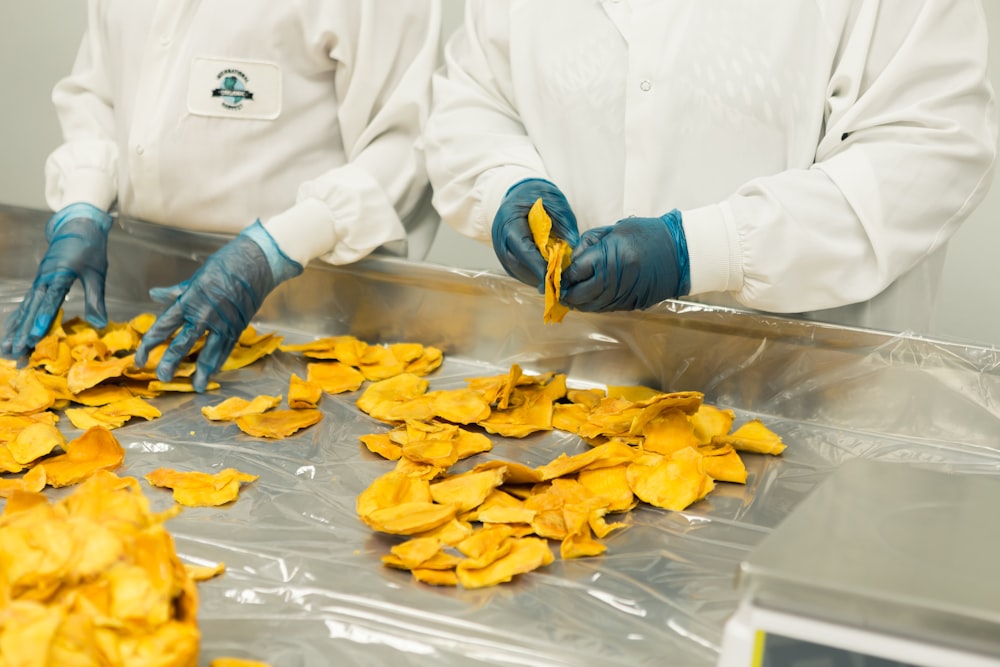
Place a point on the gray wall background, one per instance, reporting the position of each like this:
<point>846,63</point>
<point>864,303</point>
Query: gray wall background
<point>39,39</point>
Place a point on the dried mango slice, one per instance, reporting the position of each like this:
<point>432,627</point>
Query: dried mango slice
<point>753,436</point>
<point>97,449</point>
<point>237,406</point>
<point>347,349</point>
<point>379,363</point>
<point>251,347</point>
<point>556,254</point>
<point>526,554</point>
<point>710,421</point>
<point>461,406</point>
<point>278,423</point>
<point>467,490</point>
<point>35,441</point>
<point>86,374</point>
<point>668,432</point>
<point>531,411</point>
<point>429,360</point>
<point>381,396</point>
<point>723,463</point>
<point>390,489</point>
<point>53,354</point>
<point>33,481</point>
<point>334,377</point>
<point>673,483</point>
<point>201,489</point>
<point>303,393</point>
<point>413,552</point>
<point>610,484</point>
<point>236,662</point>
<point>101,395</point>
<point>205,572</point>
<point>410,518</point>
<point>27,394</point>
<point>179,385</point>
<point>382,444</point>
<point>435,577</point>
<point>112,415</point>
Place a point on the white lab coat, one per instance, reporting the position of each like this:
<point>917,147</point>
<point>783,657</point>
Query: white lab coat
<point>210,115</point>
<point>822,152</point>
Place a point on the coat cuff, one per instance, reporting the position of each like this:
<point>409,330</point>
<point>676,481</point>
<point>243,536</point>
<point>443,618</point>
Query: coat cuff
<point>714,249</point>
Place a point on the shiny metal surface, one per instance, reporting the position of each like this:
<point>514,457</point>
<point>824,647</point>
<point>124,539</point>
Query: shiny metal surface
<point>304,585</point>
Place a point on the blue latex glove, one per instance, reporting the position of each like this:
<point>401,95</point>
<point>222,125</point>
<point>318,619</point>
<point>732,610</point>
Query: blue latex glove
<point>512,241</point>
<point>632,264</point>
<point>78,249</point>
<point>219,298</point>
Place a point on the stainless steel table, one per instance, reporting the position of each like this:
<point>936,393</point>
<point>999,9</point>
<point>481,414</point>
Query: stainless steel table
<point>304,585</point>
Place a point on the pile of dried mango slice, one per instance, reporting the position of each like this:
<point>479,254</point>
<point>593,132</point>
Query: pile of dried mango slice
<point>93,579</point>
<point>488,524</point>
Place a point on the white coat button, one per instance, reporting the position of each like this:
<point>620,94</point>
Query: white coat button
<point>165,40</point>
<point>139,150</point>
<point>645,85</point>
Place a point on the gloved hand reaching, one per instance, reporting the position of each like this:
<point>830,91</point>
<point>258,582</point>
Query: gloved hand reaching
<point>78,249</point>
<point>632,264</point>
<point>512,240</point>
<point>220,298</point>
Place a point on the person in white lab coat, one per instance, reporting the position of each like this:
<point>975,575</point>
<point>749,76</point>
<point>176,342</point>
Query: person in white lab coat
<point>787,156</point>
<point>292,125</point>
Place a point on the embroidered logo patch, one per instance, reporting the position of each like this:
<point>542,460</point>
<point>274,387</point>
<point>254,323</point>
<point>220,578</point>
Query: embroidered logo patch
<point>233,89</point>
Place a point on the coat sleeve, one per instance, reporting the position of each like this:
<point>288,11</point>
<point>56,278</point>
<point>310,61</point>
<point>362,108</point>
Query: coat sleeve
<point>84,167</point>
<point>477,146</point>
<point>907,152</point>
<point>383,88</point>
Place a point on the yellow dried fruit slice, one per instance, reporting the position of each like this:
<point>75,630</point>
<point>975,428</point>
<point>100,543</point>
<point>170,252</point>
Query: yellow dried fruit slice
<point>723,463</point>
<point>467,490</point>
<point>35,441</point>
<point>673,483</point>
<point>753,436</point>
<point>32,481</point>
<point>86,374</point>
<point>236,662</point>
<point>27,394</point>
<point>382,395</point>
<point>382,444</point>
<point>410,518</point>
<point>278,423</point>
<point>556,253</point>
<point>526,554</point>
<point>201,489</point>
<point>710,421</point>
<point>101,395</point>
<point>97,449</point>
<point>303,393</point>
<point>251,347</point>
<point>179,385</point>
<point>205,572</point>
<point>237,406</point>
<point>391,489</point>
<point>334,377</point>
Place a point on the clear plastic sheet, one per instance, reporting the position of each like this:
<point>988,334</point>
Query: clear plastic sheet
<point>304,586</point>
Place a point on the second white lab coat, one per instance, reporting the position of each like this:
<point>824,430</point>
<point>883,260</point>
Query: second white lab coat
<point>822,152</point>
<point>209,115</point>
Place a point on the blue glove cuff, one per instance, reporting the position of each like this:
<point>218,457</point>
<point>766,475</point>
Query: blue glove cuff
<point>530,180</point>
<point>282,266</point>
<point>74,211</point>
<point>675,224</point>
